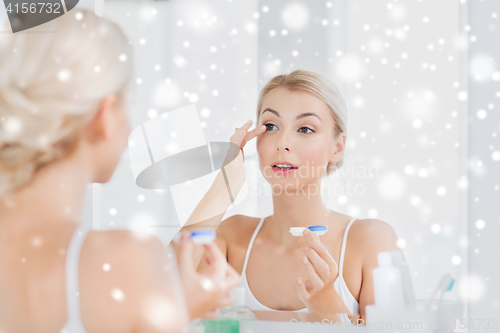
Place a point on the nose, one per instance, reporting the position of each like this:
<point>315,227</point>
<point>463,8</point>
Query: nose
<point>283,144</point>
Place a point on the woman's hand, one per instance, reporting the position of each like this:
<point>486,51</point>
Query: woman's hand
<point>234,171</point>
<point>317,291</point>
<point>241,135</point>
<point>207,292</point>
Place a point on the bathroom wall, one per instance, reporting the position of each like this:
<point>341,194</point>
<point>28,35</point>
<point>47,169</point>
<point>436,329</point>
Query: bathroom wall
<point>396,63</point>
<point>186,52</point>
<point>483,284</point>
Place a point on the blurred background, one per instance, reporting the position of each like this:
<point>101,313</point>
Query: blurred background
<point>421,83</point>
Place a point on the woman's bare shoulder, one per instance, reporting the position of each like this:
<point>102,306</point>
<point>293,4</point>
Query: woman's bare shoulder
<point>371,236</point>
<point>237,226</point>
<point>121,242</point>
<point>120,255</point>
<point>369,226</point>
<point>124,265</point>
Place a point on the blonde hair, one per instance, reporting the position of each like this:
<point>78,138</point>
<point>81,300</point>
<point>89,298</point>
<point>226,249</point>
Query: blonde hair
<point>321,87</point>
<point>51,86</point>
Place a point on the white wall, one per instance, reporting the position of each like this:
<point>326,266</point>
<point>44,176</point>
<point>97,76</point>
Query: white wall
<point>361,46</point>
<point>484,159</point>
<point>175,44</point>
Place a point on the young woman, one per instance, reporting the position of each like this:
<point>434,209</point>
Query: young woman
<point>63,125</point>
<point>301,138</point>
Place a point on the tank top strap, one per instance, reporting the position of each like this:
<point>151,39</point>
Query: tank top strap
<point>249,248</point>
<point>342,251</point>
<point>74,321</point>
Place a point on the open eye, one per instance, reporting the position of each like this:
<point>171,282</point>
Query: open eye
<point>305,130</point>
<point>269,126</point>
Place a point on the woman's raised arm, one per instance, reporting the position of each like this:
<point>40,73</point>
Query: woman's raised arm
<point>210,210</point>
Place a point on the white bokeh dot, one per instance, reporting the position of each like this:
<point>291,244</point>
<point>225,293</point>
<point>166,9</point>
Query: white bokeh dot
<point>152,113</point>
<point>441,191</point>
<point>415,200</point>
<point>456,260</point>
<point>205,112</point>
<point>295,16</point>
<point>391,186</point>
<point>481,67</point>
<point>63,75</point>
<point>409,170</point>
<point>472,288</point>
<point>423,172</point>
<point>481,114</point>
<point>117,295</point>
<point>342,199</point>
<point>435,228</point>
<point>495,155</point>
<point>462,96</point>
<point>401,243</point>
<point>113,211</point>
<point>480,224</point>
<point>193,98</point>
<point>372,213</point>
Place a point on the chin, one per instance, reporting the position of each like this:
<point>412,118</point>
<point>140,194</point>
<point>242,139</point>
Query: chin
<point>104,176</point>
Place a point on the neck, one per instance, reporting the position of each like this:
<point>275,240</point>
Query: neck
<point>298,209</point>
<point>55,193</point>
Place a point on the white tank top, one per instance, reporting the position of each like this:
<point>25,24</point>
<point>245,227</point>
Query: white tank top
<point>74,320</point>
<point>339,284</point>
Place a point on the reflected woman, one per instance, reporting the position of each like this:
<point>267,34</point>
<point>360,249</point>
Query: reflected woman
<point>301,137</point>
<point>63,113</point>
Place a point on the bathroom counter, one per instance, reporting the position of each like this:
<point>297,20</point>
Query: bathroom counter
<point>265,326</point>
<point>285,322</point>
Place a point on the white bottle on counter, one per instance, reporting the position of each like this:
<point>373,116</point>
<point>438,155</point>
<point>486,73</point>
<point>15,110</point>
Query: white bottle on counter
<point>387,285</point>
<point>404,268</point>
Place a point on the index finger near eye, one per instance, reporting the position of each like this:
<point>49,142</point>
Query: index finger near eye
<point>255,132</point>
<point>320,249</point>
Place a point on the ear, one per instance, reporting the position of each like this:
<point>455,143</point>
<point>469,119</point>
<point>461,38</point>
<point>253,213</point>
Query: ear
<point>339,148</point>
<point>101,126</point>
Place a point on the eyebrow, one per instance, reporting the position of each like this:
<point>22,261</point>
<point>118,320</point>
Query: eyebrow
<point>303,115</point>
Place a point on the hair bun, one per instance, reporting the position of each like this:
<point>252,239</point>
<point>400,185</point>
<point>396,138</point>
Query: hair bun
<point>40,119</point>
